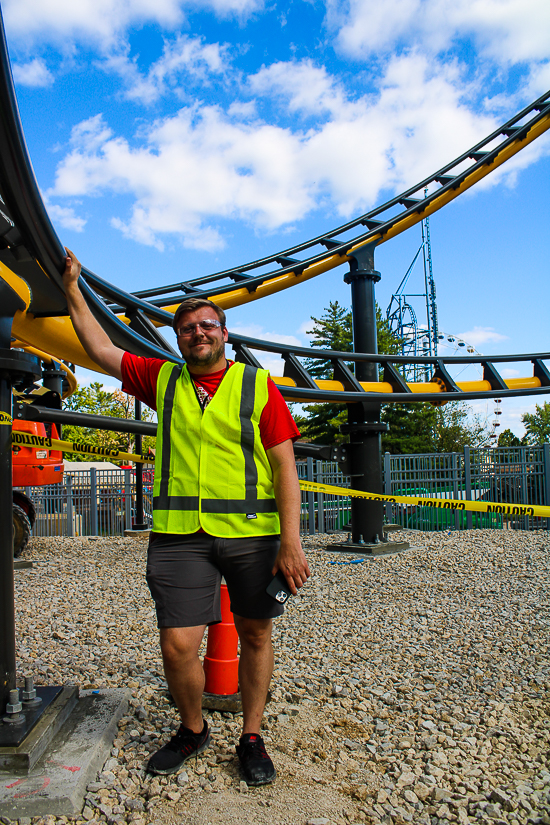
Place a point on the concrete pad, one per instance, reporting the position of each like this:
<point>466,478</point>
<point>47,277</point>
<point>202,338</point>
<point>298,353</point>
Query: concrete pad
<point>231,702</point>
<point>137,534</point>
<point>57,782</point>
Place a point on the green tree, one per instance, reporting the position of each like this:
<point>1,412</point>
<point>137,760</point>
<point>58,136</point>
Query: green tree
<point>508,439</point>
<point>417,427</point>
<point>411,426</point>
<point>424,428</point>
<point>457,427</point>
<point>97,401</point>
<point>334,331</point>
<point>537,425</point>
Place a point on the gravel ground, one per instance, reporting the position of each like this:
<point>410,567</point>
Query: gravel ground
<point>409,688</point>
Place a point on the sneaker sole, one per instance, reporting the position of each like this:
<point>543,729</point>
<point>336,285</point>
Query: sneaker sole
<point>168,771</point>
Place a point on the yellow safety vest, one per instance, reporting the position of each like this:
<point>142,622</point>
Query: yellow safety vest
<point>211,469</point>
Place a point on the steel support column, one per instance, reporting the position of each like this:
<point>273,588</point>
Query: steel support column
<point>7,611</point>
<point>16,368</point>
<point>364,427</point>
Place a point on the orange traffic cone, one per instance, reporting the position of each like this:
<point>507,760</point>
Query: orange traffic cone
<point>221,663</point>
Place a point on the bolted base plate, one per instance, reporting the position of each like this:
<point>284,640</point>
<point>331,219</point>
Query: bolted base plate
<point>382,548</point>
<point>392,528</point>
<point>22,565</point>
<point>11,735</point>
<point>57,783</point>
<point>137,533</point>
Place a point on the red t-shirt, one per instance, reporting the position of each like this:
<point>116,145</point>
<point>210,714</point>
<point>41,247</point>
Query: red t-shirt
<point>139,378</point>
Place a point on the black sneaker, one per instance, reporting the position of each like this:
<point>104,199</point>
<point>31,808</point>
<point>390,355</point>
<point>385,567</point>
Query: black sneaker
<point>178,750</point>
<point>256,766</point>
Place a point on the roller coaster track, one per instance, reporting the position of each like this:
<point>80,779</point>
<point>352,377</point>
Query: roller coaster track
<point>382,224</point>
<point>32,258</point>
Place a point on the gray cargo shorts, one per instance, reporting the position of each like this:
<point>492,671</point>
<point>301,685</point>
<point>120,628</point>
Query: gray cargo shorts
<point>184,574</point>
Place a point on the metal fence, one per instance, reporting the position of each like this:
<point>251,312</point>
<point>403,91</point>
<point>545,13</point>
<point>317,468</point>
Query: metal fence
<point>321,512</point>
<point>90,502</point>
<point>101,502</point>
<point>515,476</point>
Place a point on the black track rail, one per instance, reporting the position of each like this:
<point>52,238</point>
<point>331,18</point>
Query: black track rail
<point>30,246</point>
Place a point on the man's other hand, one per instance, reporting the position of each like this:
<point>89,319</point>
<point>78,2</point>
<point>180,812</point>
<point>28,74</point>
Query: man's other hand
<point>292,563</point>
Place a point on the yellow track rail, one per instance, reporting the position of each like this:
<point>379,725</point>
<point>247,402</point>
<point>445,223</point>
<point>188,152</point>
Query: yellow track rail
<point>33,334</point>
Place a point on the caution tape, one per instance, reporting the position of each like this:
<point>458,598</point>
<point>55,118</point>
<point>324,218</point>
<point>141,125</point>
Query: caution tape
<point>30,440</point>
<point>5,418</point>
<point>441,503</point>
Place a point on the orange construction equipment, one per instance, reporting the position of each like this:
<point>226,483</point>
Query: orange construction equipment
<point>221,663</point>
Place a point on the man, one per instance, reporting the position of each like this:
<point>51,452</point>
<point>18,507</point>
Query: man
<point>226,502</point>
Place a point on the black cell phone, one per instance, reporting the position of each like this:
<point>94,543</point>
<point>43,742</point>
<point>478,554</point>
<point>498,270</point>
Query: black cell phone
<point>278,588</point>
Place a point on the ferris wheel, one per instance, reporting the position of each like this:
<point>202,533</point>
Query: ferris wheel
<point>449,344</point>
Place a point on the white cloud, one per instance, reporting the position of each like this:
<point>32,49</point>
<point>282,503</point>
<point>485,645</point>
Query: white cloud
<point>415,122</point>
<point>273,363</point>
<point>257,331</point>
<point>86,377</point>
<point>507,31</point>
<point>35,73</point>
<point>269,361</point>
<point>183,57</point>
<point>512,411</point>
<point>367,26</point>
<point>539,80</point>
<point>307,88</point>
<point>243,110</point>
<point>188,171</point>
<point>194,167</point>
<point>482,335</point>
<point>104,23</point>
<point>65,216</point>
<point>305,330</point>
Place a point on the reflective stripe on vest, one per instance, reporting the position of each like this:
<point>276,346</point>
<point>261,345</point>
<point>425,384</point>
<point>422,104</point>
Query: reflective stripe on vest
<point>237,441</point>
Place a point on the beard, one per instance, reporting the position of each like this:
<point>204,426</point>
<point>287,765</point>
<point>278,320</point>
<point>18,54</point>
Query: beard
<point>205,359</point>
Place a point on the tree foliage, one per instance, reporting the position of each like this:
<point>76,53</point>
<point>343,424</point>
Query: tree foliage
<point>423,428</point>
<point>508,439</point>
<point>334,331</point>
<point>98,401</point>
<point>537,425</point>
<point>411,428</point>
<point>414,428</point>
<point>457,427</point>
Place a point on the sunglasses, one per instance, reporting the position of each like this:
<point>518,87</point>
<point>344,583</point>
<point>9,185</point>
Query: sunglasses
<point>208,325</point>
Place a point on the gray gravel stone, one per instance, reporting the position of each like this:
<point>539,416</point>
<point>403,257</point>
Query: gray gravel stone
<point>408,687</point>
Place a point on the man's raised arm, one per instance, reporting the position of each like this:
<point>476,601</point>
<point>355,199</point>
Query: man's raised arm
<point>92,336</point>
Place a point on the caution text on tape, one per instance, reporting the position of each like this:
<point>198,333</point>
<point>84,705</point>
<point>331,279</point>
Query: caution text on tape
<point>30,440</point>
<point>442,503</point>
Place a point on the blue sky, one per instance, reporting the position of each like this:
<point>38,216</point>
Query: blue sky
<point>173,139</point>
